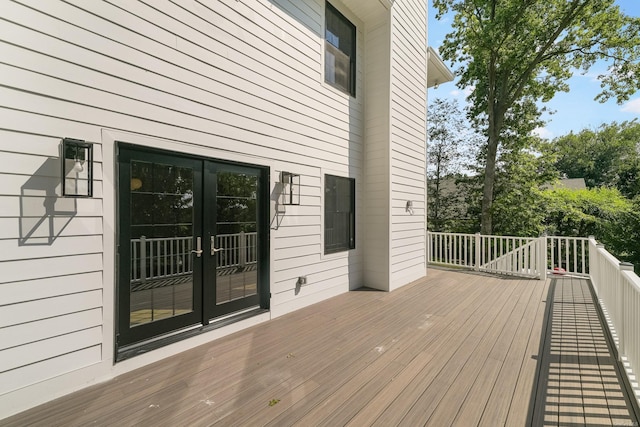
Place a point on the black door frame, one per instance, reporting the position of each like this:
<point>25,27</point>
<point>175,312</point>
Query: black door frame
<point>131,341</point>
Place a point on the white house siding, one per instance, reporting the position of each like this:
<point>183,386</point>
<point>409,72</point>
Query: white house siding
<point>375,218</point>
<point>234,80</point>
<point>408,139</point>
<point>239,80</point>
<point>50,255</point>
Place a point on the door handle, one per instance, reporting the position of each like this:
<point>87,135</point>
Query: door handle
<point>198,250</point>
<point>214,250</point>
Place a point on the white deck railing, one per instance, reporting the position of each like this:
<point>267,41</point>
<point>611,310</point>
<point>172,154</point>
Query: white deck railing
<point>168,257</point>
<point>521,256</point>
<point>156,258</point>
<point>616,286</point>
<point>497,254</point>
<point>510,255</point>
<point>567,255</point>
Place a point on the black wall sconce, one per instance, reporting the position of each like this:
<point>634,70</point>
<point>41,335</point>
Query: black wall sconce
<point>77,168</point>
<point>290,188</point>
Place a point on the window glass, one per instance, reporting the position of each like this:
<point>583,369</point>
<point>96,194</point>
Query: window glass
<point>339,214</point>
<point>340,51</point>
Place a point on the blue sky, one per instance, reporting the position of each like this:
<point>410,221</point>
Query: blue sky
<point>574,110</point>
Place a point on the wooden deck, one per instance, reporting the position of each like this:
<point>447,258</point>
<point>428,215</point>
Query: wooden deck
<point>453,349</point>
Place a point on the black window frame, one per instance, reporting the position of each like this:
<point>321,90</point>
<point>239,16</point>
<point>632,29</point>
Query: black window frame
<point>331,10</point>
<point>334,209</point>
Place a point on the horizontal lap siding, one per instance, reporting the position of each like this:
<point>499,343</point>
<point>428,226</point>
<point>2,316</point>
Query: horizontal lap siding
<point>408,115</point>
<point>50,263</point>
<point>375,217</point>
<point>298,246</point>
<point>237,80</point>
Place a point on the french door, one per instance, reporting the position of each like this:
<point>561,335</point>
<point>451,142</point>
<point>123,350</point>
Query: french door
<point>193,243</point>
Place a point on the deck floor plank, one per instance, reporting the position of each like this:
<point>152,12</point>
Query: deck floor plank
<point>494,346</point>
<point>422,369</point>
<point>410,324</point>
<point>492,399</point>
<point>444,369</point>
<point>454,348</point>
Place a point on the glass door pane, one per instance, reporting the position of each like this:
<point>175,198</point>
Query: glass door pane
<point>162,230</point>
<point>236,236</point>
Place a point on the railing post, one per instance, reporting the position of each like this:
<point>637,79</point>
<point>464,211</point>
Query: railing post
<point>542,257</point>
<point>599,277</point>
<point>591,256</point>
<point>622,348</point>
<point>477,262</point>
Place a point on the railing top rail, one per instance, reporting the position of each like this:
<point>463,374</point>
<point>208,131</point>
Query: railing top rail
<point>155,239</point>
<point>525,239</point>
<point>578,239</point>
<point>441,233</point>
<point>633,279</point>
<point>607,255</point>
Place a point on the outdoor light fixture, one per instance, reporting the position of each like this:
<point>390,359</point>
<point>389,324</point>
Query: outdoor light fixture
<point>290,188</point>
<point>77,168</point>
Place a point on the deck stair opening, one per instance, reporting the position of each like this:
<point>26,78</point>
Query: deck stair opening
<point>511,255</point>
<point>517,256</point>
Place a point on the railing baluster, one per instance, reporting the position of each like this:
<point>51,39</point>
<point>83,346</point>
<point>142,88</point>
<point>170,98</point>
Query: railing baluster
<point>456,256</point>
<point>134,259</point>
<point>150,258</point>
<point>465,243</point>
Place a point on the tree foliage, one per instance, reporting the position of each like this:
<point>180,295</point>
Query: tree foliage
<point>601,212</point>
<point>449,137</point>
<point>516,52</point>
<point>518,208</point>
<point>608,156</point>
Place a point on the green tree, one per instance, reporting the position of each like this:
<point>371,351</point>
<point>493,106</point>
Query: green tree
<point>518,208</point>
<point>600,212</point>
<point>607,156</point>
<point>516,52</point>
<point>446,130</point>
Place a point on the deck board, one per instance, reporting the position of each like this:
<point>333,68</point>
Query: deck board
<point>455,348</point>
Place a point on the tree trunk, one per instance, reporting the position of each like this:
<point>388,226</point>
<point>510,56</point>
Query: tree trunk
<point>486,225</point>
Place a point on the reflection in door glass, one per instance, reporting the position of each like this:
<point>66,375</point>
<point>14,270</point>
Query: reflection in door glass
<point>161,242</point>
<point>237,236</point>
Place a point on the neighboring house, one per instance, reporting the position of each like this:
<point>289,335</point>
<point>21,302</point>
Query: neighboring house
<point>453,205</point>
<point>250,158</point>
<point>568,183</point>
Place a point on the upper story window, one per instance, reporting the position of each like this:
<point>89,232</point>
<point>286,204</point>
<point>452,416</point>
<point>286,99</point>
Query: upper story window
<point>340,51</point>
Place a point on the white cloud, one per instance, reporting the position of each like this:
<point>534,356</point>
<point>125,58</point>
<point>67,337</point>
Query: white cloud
<point>591,76</point>
<point>632,106</point>
<point>464,92</point>
<point>543,132</point>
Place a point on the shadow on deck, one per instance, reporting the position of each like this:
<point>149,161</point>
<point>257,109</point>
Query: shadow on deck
<point>579,380</point>
<point>454,348</point>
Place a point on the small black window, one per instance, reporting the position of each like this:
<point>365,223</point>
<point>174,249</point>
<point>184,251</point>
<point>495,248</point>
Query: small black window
<point>339,214</point>
<point>340,51</point>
